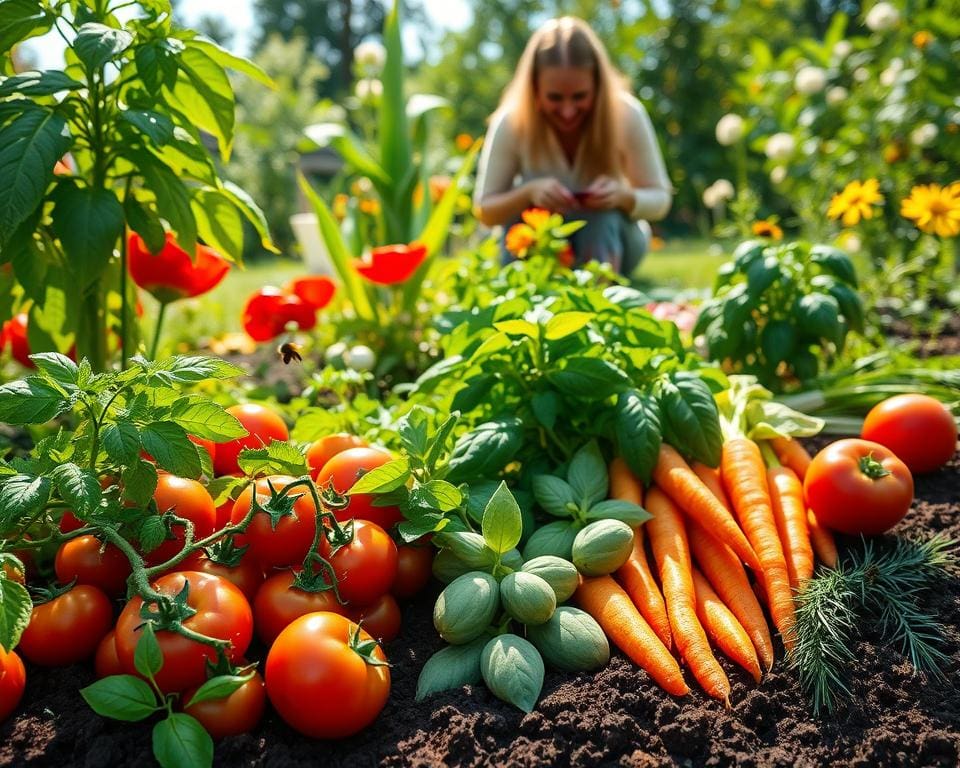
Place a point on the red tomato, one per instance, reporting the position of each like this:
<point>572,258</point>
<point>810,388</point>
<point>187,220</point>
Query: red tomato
<point>343,470</point>
<point>13,679</point>
<point>188,499</point>
<point>68,628</point>
<point>381,618</point>
<point>70,522</point>
<point>240,712</point>
<point>288,542</point>
<point>245,575</point>
<point>324,449</point>
<point>15,333</point>
<point>263,426</point>
<point>223,515</point>
<point>855,486</point>
<point>917,428</point>
<point>86,560</point>
<point>278,603</point>
<point>106,662</point>
<point>222,612</point>
<point>208,445</point>
<point>314,662</point>
<point>414,569</point>
<point>366,567</point>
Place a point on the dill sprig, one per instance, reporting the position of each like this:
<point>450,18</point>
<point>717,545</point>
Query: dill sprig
<point>883,585</point>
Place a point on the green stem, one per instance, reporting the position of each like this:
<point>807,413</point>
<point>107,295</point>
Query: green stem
<point>156,331</point>
<point>872,468</point>
<point>124,295</point>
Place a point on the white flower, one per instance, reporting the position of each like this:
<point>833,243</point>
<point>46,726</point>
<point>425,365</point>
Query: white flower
<point>889,76</point>
<point>924,135</point>
<point>710,197</point>
<point>729,129</point>
<point>861,74</point>
<point>851,242</point>
<point>780,146</point>
<point>779,174</point>
<point>810,80</point>
<point>724,189</point>
<point>842,49</point>
<point>881,17</point>
<point>370,55</point>
<point>837,95</point>
<point>360,358</point>
<point>369,88</point>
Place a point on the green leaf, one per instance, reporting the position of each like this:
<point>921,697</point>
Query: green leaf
<point>565,324</point>
<point>383,479</point>
<point>96,44</point>
<point>219,222</point>
<point>122,442</point>
<point>588,377</point>
<point>170,447</point>
<point>180,741</point>
<point>637,429</point>
<point>277,458</point>
<point>30,146</point>
<point>252,212</point>
<point>183,369</point>
<point>121,697</point>
<point>147,656</point>
<point>58,367</point>
<point>156,63</point>
<point>513,670</point>
<point>204,418</point>
<point>778,340</point>
<point>31,401</point>
<point>16,608</point>
<point>518,328</point>
<point>89,222</point>
<point>39,83</point>
<point>835,262</point>
<point>502,524</point>
<point>139,482</point>
<point>851,305</point>
<point>761,274</point>
<point>441,442</point>
<point>80,488</point>
<point>588,476</point>
<point>349,146</point>
<point>617,509</point>
<point>151,533</point>
<point>469,547</point>
<point>21,496</point>
<point>21,20</point>
<point>224,58</point>
<point>818,315</point>
<point>395,153</point>
<point>440,495</point>
<point>203,92</point>
<point>486,449</point>
<point>554,494</point>
<point>690,419</point>
<point>173,200</point>
<point>154,125</point>
<point>546,406</point>
<point>451,667</point>
<point>143,220</point>
<point>474,393</point>
<point>219,687</point>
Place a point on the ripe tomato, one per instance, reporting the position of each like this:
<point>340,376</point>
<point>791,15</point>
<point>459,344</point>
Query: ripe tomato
<point>13,679</point>
<point>223,515</point>
<point>343,470</point>
<point>208,445</point>
<point>263,426</point>
<point>240,712</point>
<point>324,449</point>
<point>187,499</point>
<point>106,662</point>
<point>318,681</point>
<point>246,575</point>
<point>855,486</point>
<point>917,428</point>
<point>366,567</point>
<point>414,569</point>
<point>70,522</point>
<point>288,542</point>
<point>278,603</point>
<point>68,628</point>
<point>381,618</point>
<point>222,612</point>
<point>87,560</point>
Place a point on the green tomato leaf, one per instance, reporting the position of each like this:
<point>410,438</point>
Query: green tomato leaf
<point>180,741</point>
<point>121,697</point>
<point>122,442</point>
<point>502,523</point>
<point>637,429</point>
<point>587,475</point>
<point>383,479</point>
<point>21,496</point>
<point>555,495</point>
<point>80,488</point>
<point>204,418</point>
<point>139,481</point>
<point>440,495</point>
<point>278,458</point>
<point>513,670</point>
<point>451,667</point>
<point>184,370</point>
<point>57,367</point>
<point>147,656</point>
<point>15,610</point>
<point>170,447</point>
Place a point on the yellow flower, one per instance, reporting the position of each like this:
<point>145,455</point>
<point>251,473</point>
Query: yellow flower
<point>537,218</point>
<point>854,202</point>
<point>520,237</point>
<point>922,39</point>
<point>340,206</point>
<point>370,206</point>
<point>767,228</point>
<point>463,141</point>
<point>934,209</point>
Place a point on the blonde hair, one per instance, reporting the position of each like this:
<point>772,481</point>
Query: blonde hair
<point>568,42</point>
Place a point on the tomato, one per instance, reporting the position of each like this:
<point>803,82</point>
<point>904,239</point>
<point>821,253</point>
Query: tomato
<point>414,569</point>
<point>381,618</point>
<point>917,428</point>
<point>245,575</point>
<point>343,470</point>
<point>240,712</point>
<point>223,515</point>
<point>222,612</point>
<point>269,311</point>
<point>68,628</point>
<point>366,567</point>
<point>86,560</point>
<point>188,499</point>
<point>288,542</point>
<point>208,445</point>
<point>263,426</point>
<point>13,679</point>
<point>324,449</point>
<point>278,603</point>
<point>856,486</point>
<point>318,681</point>
<point>106,662</point>
<point>70,522</point>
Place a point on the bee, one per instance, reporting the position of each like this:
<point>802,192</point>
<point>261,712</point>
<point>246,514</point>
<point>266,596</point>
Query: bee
<point>290,351</point>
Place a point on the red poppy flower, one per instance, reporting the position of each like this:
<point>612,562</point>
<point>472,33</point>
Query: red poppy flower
<point>316,290</point>
<point>172,274</point>
<point>268,311</point>
<point>392,264</point>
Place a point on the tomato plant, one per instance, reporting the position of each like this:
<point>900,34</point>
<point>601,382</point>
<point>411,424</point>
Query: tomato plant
<point>414,569</point>
<point>328,446</point>
<point>13,679</point>
<point>89,561</point>
<point>366,566</point>
<point>221,612</point>
<point>381,619</point>
<point>275,543</point>
<point>68,628</point>
<point>858,487</point>
<point>262,424</point>
<point>325,660</point>
<point>917,428</point>
<point>240,712</point>
<point>187,499</point>
<point>343,470</point>
<point>279,602</point>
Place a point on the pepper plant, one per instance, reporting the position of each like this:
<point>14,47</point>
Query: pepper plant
<point>128,109</point>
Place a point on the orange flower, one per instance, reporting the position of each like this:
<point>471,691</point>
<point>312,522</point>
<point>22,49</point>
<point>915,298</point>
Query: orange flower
<point>438,184</point>
<point>922,38</point>
<point>855,202</point>
<point>767,228</point>
<point>370,206</point>
<point>566,257</point>
<point>893,153</point>
<point>536,217</point>
<point>464,141</point>
<point>520,238</point>
<point>934,209</point>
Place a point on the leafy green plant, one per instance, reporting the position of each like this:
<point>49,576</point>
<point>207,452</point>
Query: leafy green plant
<point>128,109</point>
<point>780,312</point>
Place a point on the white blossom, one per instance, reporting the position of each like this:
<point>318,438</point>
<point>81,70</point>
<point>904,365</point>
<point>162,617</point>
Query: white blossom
<point>888,77</point>
<point>369,88</point>
<point>924,135</point>
<point>370,55</point>
<point>810,80</point>
<point>837,95</point>
<point>881,17</point>
<point>729,129</point>
<point>710,198</point>
<point>842,49</point>
<point>861,74</point>
<point>724,189</point>
<point>779,174</point>
<point>780,146</point>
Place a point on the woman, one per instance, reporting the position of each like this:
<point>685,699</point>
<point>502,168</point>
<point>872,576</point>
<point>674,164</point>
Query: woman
<point>569,137</point>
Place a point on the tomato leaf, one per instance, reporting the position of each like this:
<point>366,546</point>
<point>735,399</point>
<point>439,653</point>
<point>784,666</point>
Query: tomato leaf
<point>220,687</point>
<point>278,458</point>
<point>122,442</point>
<point>502,523</point>
<point>180,741</point>
<point>171,448</point>
<point>22,495</point>
<point>121,697</point>
<point>79,487</point>
<point>383,479</point>
<point>139,482</point>
<point>439,494</point>
<point>31,401</point>
<point>588,476</point>
<point>451,667</point>
<point>204,418</point>
<point>58,368</point>
<point>637,429</point>
<point>147,656</point>
<point>15,610</point>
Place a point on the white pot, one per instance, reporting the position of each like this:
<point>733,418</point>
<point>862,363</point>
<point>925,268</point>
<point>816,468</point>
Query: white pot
<point>315,254</point>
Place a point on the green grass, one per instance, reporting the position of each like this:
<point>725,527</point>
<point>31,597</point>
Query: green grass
<point>682,265</point>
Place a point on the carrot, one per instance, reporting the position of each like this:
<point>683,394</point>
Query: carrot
<point>790,514</point>
<point>672,552</point>
<point>723,628</point>
<point>624,485</point>
<point>638,581</point>
<point>791,453</point>
<point>687,491</point>
<point>822,540</point>
<point>619,618</point>
<point>745,478</point>
<point>711,478</point>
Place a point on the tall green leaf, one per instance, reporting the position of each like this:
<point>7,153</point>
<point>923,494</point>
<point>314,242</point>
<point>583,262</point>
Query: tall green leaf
<point>21,20</point>
<point>219,222</point>
<point>173,200</point>
<point>228,60</point>
<point>39,83</point>
<point>394,137</point>
<point>89,222</point>
<point>204,94</point>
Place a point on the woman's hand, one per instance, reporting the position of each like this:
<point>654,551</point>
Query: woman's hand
<point>606,193</point>
<point>550,194</point>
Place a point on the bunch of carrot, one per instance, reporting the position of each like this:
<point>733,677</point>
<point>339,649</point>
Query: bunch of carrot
<point>695,592</point>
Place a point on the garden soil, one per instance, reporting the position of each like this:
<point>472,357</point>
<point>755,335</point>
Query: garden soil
<point>615,717</point>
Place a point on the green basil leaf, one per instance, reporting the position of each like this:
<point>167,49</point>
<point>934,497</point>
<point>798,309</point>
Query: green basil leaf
<point>502,523</point>
<point>546,407</point>
<point>690,419</point>
<point>835,262</point>
<point>220,687</point>
<point>590,378</point>
<point>637,429</point>
<point>555,495</point>
<point>617,509</point>
<point>121,697</point>
<point>588,476</point>
<point>513,670</point>
<point>383,479</point>
<point>180,741</point>
<point>485,450</point>
<point>451,667</point>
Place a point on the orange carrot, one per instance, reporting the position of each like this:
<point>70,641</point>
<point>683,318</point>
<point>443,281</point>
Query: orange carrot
<point>624,485</point>
<point>791,453</point>
<point>619,618</point>
<point>745,478</point>
<point>711,478</point>
<point>672,552</point>
<point>687,491</point>
<point>723,628</point>
<point>790,514</point>
<point>822,540</point>
<point>638,581</point>
<point>725,573</point>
